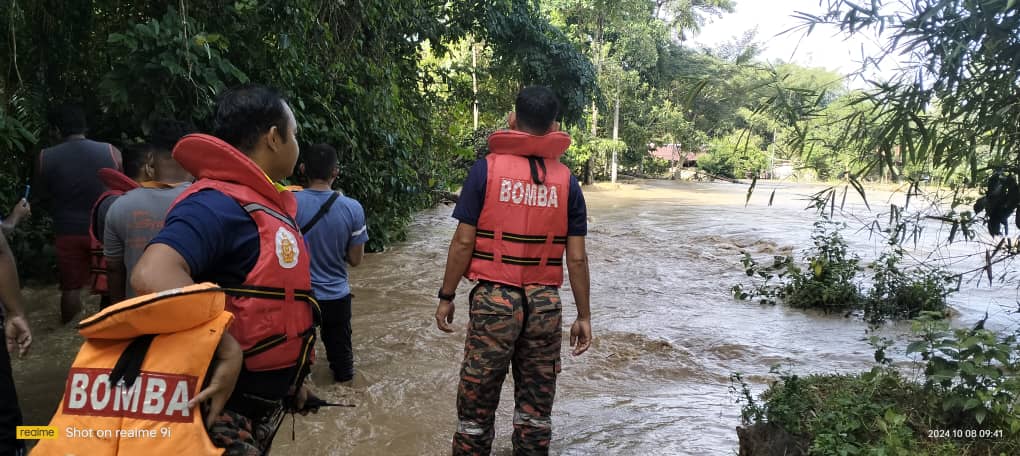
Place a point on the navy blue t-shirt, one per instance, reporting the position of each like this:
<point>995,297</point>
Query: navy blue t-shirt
<point>472,196</point>
<point>220,243</point>
<point>215,236</point>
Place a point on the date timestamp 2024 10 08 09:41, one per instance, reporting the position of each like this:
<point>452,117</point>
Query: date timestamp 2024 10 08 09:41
<point>965,433</point>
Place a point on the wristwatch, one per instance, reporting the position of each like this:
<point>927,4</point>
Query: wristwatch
<point>446,297</point>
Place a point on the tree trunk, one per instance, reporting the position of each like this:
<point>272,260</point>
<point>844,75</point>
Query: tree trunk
<point>597,50</point>
<point>616,136</point>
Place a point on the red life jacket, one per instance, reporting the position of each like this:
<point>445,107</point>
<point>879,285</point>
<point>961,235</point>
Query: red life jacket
<point>116,184</point>
<point>522,230</point>
<point>274,309</point>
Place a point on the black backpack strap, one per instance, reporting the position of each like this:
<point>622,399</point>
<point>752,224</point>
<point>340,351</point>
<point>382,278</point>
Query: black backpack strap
<point>322,211</point>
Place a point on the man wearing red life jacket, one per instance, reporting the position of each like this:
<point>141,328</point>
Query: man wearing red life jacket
<point>235,227</point>
<point>145,171</point>
<point>117,184</point>
<point>519,211</point>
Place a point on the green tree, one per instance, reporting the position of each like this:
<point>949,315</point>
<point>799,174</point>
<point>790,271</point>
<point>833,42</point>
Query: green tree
<point>358,74</point>
<point>952,104</point>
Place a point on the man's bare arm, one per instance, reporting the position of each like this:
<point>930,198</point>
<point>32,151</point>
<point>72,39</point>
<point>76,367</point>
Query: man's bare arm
<point>18,334</point>
<point>580,285</point>
<point>355,254</point>
<point>457,261</point>
<point>459,257</point>
<point>10,287</point>
<point>160,268</point>
<point>116,278</point>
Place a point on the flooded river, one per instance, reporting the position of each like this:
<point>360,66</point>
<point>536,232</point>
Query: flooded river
<point>667,332</point>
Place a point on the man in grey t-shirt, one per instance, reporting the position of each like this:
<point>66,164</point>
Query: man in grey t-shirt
<point>132,221</point>
<point>137,217</point>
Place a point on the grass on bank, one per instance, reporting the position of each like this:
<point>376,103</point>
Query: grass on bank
<point>964,399</point>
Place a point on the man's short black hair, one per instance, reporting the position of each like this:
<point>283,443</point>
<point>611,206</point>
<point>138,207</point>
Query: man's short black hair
<point>245,113</point>
<point>319,160</point>
<point>135,156</point>
<point>537,108</point>
<point>166,132</point>
<point>69,119</point>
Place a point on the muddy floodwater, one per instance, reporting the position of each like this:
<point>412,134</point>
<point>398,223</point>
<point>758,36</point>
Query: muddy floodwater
<point>667,333</point>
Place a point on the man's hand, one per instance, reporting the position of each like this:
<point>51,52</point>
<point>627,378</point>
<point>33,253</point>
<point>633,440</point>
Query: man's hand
<point>300,400</point>
<point>580,336</point>
<point>222,380</point>
<point>444,315</point>
<point>20,211</point>
<point>18,335</point>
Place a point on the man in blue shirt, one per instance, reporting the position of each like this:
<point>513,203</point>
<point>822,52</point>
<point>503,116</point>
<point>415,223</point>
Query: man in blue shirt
<point>335,232</point>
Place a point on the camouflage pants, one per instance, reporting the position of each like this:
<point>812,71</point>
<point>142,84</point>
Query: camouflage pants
<point>236,434</point>
<point>518,327</point>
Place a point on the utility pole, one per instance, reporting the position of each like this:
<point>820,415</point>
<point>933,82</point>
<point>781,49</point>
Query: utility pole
<point>474,80</point>
<point>616,135</point>
<point>597,60</point>
<point>772,156</point>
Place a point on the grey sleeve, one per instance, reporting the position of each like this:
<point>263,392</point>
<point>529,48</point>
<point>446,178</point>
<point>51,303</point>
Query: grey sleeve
<point>113,243</point>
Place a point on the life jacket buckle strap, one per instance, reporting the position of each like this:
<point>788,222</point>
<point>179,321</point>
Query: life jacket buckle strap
<point>265,345</point>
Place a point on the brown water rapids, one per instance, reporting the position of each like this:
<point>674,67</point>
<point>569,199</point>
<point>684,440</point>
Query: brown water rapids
<point>667,332</point>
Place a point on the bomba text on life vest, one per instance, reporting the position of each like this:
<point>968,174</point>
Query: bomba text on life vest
<point>153,396</point>
<point>527,193</point>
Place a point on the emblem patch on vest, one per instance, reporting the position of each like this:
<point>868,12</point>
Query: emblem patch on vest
<point>153,396</point>
<point>286,248</point>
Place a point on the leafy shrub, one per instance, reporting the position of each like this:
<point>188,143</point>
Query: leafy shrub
<point>829,281</point>
<point>737,155</point>
<point>974,372</point>
<point>869,413</point>
<point>906,293</point>
<point>966,403</point>
<point>150,58</point>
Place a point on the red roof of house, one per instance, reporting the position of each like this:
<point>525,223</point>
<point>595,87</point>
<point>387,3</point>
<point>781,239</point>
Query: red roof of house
<point>673,152</point>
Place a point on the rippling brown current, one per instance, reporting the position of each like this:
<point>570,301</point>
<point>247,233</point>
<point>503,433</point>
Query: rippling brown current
<point>667,332</point>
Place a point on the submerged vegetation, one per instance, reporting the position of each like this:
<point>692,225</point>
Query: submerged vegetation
<point>831,279</point>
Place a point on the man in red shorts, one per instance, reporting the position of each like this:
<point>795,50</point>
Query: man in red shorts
<point>68,186</point>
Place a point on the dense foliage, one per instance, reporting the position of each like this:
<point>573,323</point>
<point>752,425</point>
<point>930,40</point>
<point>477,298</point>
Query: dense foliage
<point>354,73</point>
<point>392,84</point>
